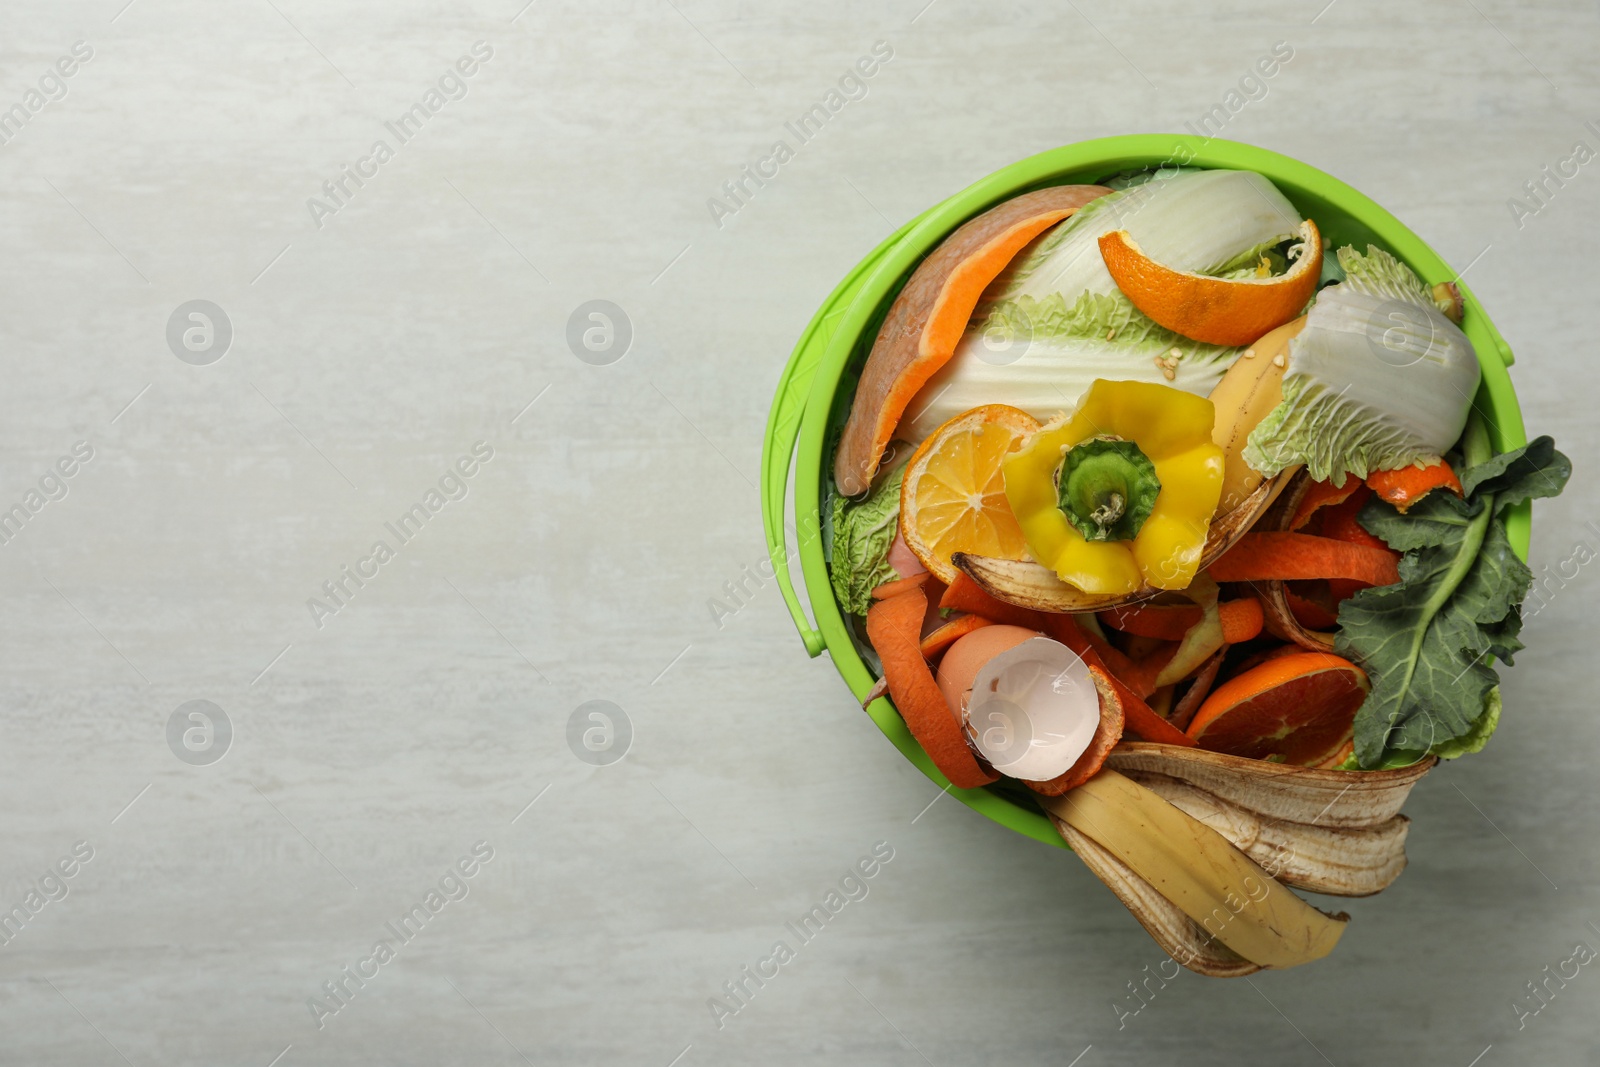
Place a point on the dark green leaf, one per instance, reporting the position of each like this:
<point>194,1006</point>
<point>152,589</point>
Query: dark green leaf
<point>1527,473</point>
<point>1427,641</point>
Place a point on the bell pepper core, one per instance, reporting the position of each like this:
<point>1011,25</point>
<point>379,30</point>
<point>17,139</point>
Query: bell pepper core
<point>1108,487</point>
<point>1168,428</point>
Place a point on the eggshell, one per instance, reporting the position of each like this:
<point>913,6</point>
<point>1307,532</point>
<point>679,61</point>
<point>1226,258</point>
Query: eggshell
<point>1033,710</point>
<point>964,659</point>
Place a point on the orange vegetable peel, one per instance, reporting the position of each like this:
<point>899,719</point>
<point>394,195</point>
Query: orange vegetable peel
<point>1218,311</point>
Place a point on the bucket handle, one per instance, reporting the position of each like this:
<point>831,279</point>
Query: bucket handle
<point>777,457</point>
<point>783,429</point>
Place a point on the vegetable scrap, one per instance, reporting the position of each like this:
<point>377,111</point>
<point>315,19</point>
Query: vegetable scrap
<point>928,318</point>
<point>1120,494</point>
<point>1223,489</point>
<point>1427,639</point>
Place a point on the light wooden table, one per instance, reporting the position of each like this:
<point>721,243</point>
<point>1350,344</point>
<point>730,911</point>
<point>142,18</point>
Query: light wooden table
<point>376,338</point>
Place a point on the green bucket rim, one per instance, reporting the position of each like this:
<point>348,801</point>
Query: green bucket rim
<point>796,436</point>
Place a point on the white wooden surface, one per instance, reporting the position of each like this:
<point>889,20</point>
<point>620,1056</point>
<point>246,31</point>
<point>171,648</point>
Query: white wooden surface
<point>368,354</point>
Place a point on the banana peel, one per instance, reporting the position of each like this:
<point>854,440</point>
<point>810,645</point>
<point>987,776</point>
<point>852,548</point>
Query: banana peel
<point>1179,936</point>
<point>1202,848</point>
<point>1307,795</point>
<point>1343,862</point>
<point>1230,897</point>
<point>1247,394</point>
<point>1027,584</point>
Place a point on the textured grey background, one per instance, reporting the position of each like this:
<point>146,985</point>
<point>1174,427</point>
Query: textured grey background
<point>428,713</point>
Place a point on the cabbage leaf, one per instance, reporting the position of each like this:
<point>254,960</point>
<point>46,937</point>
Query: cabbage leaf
<point>1054,320</point>
<point>1377,380</point>
<point>863,530</point>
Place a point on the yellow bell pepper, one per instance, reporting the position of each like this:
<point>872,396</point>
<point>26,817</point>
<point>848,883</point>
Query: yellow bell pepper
<point>1142,481</point>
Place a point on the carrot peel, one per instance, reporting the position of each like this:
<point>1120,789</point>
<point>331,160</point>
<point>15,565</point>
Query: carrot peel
<point>1142,720</point>
<point>899,585</point>
<point>893,626</point>
<point>1241,619</point>
<point>1407,485</point>
<point>1260,557</point>
<point>951,632</point>
<point>965,594</point>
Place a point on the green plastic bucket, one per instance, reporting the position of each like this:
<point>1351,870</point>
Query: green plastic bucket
<point>815,388</point>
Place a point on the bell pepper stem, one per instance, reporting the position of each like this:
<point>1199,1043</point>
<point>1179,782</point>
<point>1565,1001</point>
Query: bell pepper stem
<point>1107,488</point>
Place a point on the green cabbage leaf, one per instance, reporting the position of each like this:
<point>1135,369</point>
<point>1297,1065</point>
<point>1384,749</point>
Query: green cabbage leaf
<point>863,530</point>
<point>1377,380</point>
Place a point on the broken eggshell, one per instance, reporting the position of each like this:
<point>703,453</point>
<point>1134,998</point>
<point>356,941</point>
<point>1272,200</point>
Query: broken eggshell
<point>1025,701</point>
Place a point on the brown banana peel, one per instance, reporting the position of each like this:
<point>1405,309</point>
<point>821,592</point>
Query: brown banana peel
<point>1229,896</point>
<point>1202,848</point>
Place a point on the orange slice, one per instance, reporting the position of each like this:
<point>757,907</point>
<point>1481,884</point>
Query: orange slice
<point>1217,311</point>
<point>953,497</point>
<point>1297,708</point>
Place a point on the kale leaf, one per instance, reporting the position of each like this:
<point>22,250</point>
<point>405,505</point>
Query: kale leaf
<point>1425,642</point>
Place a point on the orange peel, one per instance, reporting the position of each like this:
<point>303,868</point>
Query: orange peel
<point>1217,311</point>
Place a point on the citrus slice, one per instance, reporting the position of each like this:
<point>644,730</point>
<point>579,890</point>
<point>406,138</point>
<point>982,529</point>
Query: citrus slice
<point>1296,709</point>
<point>953,497</point>
<point>1218,311</point>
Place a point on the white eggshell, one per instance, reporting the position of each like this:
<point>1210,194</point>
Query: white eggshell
<point>1033,710</point>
